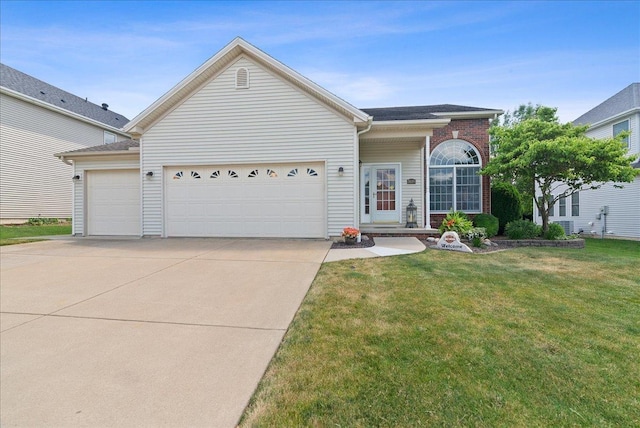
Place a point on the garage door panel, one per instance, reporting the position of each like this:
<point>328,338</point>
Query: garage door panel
<point>113,202</point>
<point>254,200</point>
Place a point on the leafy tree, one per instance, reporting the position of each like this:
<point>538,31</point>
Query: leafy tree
<point>523,112</point>
<point>541,153</point>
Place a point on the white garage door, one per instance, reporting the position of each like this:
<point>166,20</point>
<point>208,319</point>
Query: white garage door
<point>275,200</point>
<point>113,202</point>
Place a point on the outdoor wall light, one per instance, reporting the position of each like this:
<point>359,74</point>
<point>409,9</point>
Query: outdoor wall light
<point>149,174</point>
<point>76,177</point>
<point>341,171</point>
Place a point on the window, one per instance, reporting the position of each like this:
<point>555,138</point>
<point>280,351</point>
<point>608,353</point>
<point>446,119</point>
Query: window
<point>621,127</point>
<point>551,206</point>
<point>453,177</point>
<point>109,137</point>
<point>575,204</point>
<point>562,206</point>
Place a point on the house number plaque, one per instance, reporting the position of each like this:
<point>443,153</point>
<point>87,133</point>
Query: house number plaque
<point>411,181</point>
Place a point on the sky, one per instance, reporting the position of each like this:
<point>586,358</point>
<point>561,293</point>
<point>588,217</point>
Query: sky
<point>493,54</point>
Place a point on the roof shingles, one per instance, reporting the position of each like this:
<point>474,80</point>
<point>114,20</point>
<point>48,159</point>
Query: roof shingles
<point>418,112</point>
<point>18,81</point>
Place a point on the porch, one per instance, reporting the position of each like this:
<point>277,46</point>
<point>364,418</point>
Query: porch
<point>391,230</point>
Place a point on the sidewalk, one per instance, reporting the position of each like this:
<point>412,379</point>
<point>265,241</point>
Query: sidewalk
<point>384,247</point>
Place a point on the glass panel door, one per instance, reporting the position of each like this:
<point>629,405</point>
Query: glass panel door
<point>386,193</point>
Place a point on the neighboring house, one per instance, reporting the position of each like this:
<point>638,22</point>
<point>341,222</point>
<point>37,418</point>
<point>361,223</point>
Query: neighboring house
<point>36,121</point>
<point>585,211</point>
<point>245,146</point>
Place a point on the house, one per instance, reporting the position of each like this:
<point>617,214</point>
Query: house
<point>610,210</point>
<point>246,146</point>
<point>36,121</point>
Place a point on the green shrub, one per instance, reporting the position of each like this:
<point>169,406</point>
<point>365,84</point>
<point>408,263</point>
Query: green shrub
<point>489,222</point>
<point>456,221</point>
<point>522,229</point>
<point>505,204</point>
<point>555,232</point>
<point>39,221</point>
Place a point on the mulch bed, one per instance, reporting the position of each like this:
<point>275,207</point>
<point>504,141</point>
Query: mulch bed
<point>366,243</point>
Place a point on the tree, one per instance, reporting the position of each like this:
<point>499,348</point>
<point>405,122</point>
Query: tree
<point>539,152</point>
<point>510,119</point>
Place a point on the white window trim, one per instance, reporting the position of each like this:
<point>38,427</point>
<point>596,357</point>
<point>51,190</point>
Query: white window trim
<point>455,202</point>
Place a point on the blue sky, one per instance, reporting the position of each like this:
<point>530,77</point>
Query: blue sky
<point>571,55</point>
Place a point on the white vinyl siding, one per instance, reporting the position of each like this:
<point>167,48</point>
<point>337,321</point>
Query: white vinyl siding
<point>605,130</point>
<point>32,181</point>
<point>624,206</point>
<point>408,155</point>
<point>272,121</point>
<point>86,165</point>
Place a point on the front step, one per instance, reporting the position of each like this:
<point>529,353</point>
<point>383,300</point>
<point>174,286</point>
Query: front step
<point>391,230</point>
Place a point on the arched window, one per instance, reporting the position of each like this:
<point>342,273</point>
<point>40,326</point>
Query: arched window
<point>453,177</point>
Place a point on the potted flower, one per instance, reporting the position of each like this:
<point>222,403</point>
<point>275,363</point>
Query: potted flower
<point>350,234</point>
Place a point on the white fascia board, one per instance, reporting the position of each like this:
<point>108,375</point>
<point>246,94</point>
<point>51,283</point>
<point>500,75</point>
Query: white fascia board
<point>63,155</point>
<point>60,110</point>
<point>617,117</point>
<point>482,114</point>
<point>411,124</point>
<point>245,47</point>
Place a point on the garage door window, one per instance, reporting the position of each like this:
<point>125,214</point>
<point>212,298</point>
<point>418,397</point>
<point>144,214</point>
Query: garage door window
<point>178,175</point>
<point>232,174</point>
<point>215,174</point>
<point>194,174</point>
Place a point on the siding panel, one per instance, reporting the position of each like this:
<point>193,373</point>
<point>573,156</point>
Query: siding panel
<point>32,181</point>
<point>270,122</point>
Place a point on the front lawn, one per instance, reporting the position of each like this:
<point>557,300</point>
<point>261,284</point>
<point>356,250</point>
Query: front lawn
<point>526,337</point>
<point>26,233</point>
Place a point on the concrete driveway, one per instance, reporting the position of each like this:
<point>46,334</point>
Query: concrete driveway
<point>144,332</point>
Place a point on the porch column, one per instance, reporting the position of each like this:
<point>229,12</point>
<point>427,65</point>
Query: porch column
<point>427,201</point>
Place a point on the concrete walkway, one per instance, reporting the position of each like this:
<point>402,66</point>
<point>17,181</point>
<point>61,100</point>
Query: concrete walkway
<point>383,247</point>
<point>144,332</point>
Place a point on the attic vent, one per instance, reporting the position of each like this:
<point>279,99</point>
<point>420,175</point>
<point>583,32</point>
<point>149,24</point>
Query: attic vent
<point>242,78</point>
<point>105,106</point>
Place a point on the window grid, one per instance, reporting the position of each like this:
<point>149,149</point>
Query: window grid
<point>466,194</point>
<point>575,204</point>
<point>562,206</point>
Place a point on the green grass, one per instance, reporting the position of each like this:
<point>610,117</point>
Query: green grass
<point>526,337</point>
<point>24,233</point>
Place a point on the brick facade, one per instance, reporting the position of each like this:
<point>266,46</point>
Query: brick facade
<point>474,131</point>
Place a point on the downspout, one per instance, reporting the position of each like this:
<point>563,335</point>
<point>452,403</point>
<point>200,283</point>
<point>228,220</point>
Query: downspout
<point>356,181</point>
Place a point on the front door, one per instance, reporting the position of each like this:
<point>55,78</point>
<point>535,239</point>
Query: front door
<point>380,193</point>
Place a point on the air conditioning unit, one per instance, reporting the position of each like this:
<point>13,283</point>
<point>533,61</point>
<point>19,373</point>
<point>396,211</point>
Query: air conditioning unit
<point>567,226</point>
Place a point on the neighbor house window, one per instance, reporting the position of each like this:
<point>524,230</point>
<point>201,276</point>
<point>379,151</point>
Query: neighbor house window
<point>575,204</point>
<point>109,137</point>
<point>621,127</point>
<point>453,177</point>
<point>551,206</point>
<point>562,206</point>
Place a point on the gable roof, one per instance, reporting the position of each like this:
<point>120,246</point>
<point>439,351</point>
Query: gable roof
<point>22,83</point>
<point>217,63</point>
<point>624,102</point>
<point>429,112</point>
